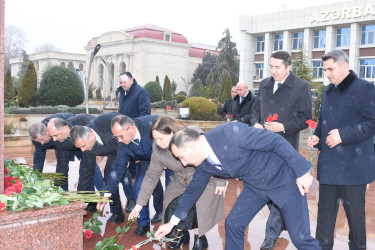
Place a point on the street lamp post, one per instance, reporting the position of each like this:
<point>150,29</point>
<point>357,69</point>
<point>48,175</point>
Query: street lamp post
<point>96,50</point>
<point>111,83</point>
<point>80,75</point>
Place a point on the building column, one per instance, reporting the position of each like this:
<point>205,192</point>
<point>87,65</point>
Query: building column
<point>268,48</point>
<point>247,58</point>
<point>355,42</point>
<point>330,44</point>
<point>308,39</point>
<point>287,41</point>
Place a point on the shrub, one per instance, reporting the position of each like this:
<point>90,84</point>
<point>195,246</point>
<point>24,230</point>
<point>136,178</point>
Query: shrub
<point>201,109</point>
<point>196,89</point>
<point>167,89</point>
<point>181,93</point>
<point>91,91</point>
<point>180,98</point>
<point>28,87</point>
<point>161,104</point>
<point>8,87</point>
<point>60,86</point>
<point>99,94</point>
<point>154,91</point>
<point>53,110</point>
<point>9,128</point>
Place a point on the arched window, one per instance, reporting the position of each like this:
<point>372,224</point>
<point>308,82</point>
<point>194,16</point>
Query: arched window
<point>80,67</point>
<point>122,67</point>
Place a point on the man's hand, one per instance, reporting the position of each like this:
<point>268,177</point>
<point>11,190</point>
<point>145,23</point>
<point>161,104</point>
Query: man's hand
<point>163,230</point>
<point>304,182</point>
<point>220,190</point>
<point>99,159</point>
<point>312,141</point>
<point>257,125</point>
<point>333,139</point>
<point>135,212</point>
<point>100,206</point>
<point>274,126</point>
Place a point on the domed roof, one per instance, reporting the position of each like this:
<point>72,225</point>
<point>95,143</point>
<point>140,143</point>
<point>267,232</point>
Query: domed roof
<point>155,32</point>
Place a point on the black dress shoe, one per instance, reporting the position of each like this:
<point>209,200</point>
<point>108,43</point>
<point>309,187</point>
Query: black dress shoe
<point>157,217</point>
<point>117,218</point>
<point>184,239</point>
<point>200,243</point>
<point>172,234</point>
<point>141,230</point>
<point>91,207</point>
<point>129,206</point>
<point>268,244</point>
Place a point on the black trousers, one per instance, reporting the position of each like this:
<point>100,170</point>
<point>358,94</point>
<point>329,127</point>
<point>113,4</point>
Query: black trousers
<point>353,200</point>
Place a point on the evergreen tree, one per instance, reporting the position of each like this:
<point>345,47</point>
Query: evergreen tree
<point>71,67</point>
<point>227,61</point>
<point>211,89</point>
<point>157,79</point>
<point>28,87</point>
<point>154,91</point>
<point>167,89</point>
<point>24,65</point>
<point>8,86</point>
<point>301,69</point>
<point>196,89</point>
<point>227,89</point>
<point>174,88</point>
<point>202,71</point>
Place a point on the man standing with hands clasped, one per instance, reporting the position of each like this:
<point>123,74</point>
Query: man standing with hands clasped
<point>346,163</point>
<point>289,97</point>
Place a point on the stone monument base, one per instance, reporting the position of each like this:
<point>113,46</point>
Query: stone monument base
<point>57,227</point>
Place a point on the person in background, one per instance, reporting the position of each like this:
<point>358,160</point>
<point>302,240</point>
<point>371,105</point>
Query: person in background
<point>242,104</point>
<point>227,110</point>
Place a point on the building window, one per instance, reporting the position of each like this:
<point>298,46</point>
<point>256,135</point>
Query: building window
<point>258,71</point>
<point>80,67</point>
<point>343,37</point>
<point>298,40</point>
<point>319,39</point>
<point>167,37</point>
<point>318,69</point>
<point>260,43</point>
<point>278,42</point>
<point>367,68</point>
<point>368,34</point>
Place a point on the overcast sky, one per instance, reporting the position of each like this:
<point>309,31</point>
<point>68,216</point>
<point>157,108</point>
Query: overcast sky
<point>70,24</point>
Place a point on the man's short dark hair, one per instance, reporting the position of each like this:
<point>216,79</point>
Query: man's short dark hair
<point>123,120</point>
<point>283,55</point>
<point>79,132</point>
<point>182,137</point>
<point>59,123</point>
<point>128,74</point>
<point>336,55</point>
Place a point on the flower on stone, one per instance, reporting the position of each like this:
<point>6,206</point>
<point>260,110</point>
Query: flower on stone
<point>88,234</point>
<point>2,206</point>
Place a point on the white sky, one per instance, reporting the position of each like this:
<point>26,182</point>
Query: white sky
<point>70,24</point>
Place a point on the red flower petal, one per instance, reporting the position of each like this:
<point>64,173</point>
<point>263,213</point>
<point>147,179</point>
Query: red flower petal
<point>2,206</point>
<point>6,171</point>
<point>275,116</point>
<point>269,119</point>
<point>88,234</point>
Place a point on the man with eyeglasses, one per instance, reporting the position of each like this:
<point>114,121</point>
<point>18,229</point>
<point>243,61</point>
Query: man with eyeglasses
<point>42,142</point>
<point>135,144</point>
<point>59,130</point>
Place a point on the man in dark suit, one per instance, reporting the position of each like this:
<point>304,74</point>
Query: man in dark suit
<point>59,130</point>
<point>96,139</point>
<point>289,97</point>
<point>270,171</point>
<point>242,104</point>
<point>227,109</point>
<point>344,136</point>
<point>135,144</point>
<point>42,142</point>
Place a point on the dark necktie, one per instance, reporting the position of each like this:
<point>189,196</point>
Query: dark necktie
<point>279,85</point>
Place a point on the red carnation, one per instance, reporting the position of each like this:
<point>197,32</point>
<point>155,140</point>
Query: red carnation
<point>134,248</point>
<point>272,118</point>
<point>2,206</point>
<point>275,116</point>
<point>231,115</point>
<point>311,123</point>
<point>6,171</point>
<point>88,234</point>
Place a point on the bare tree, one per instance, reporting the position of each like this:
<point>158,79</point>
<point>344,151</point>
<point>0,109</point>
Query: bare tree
<point>46,47</point>
<point>14,41</point>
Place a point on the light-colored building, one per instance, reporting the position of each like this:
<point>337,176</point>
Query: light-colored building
<point>348,26</point>
<point>145,51</point>
<point>44,59</point>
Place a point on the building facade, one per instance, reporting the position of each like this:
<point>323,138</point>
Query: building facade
<point>43,60</point>
<point>348,26</point>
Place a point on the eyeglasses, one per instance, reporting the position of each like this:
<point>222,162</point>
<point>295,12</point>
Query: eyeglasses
<point>121,136</point>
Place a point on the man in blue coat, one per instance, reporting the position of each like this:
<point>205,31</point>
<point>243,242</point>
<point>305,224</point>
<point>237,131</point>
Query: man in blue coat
<point>271,170</point>
<point>344,136</point>
<point>135,145</point>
